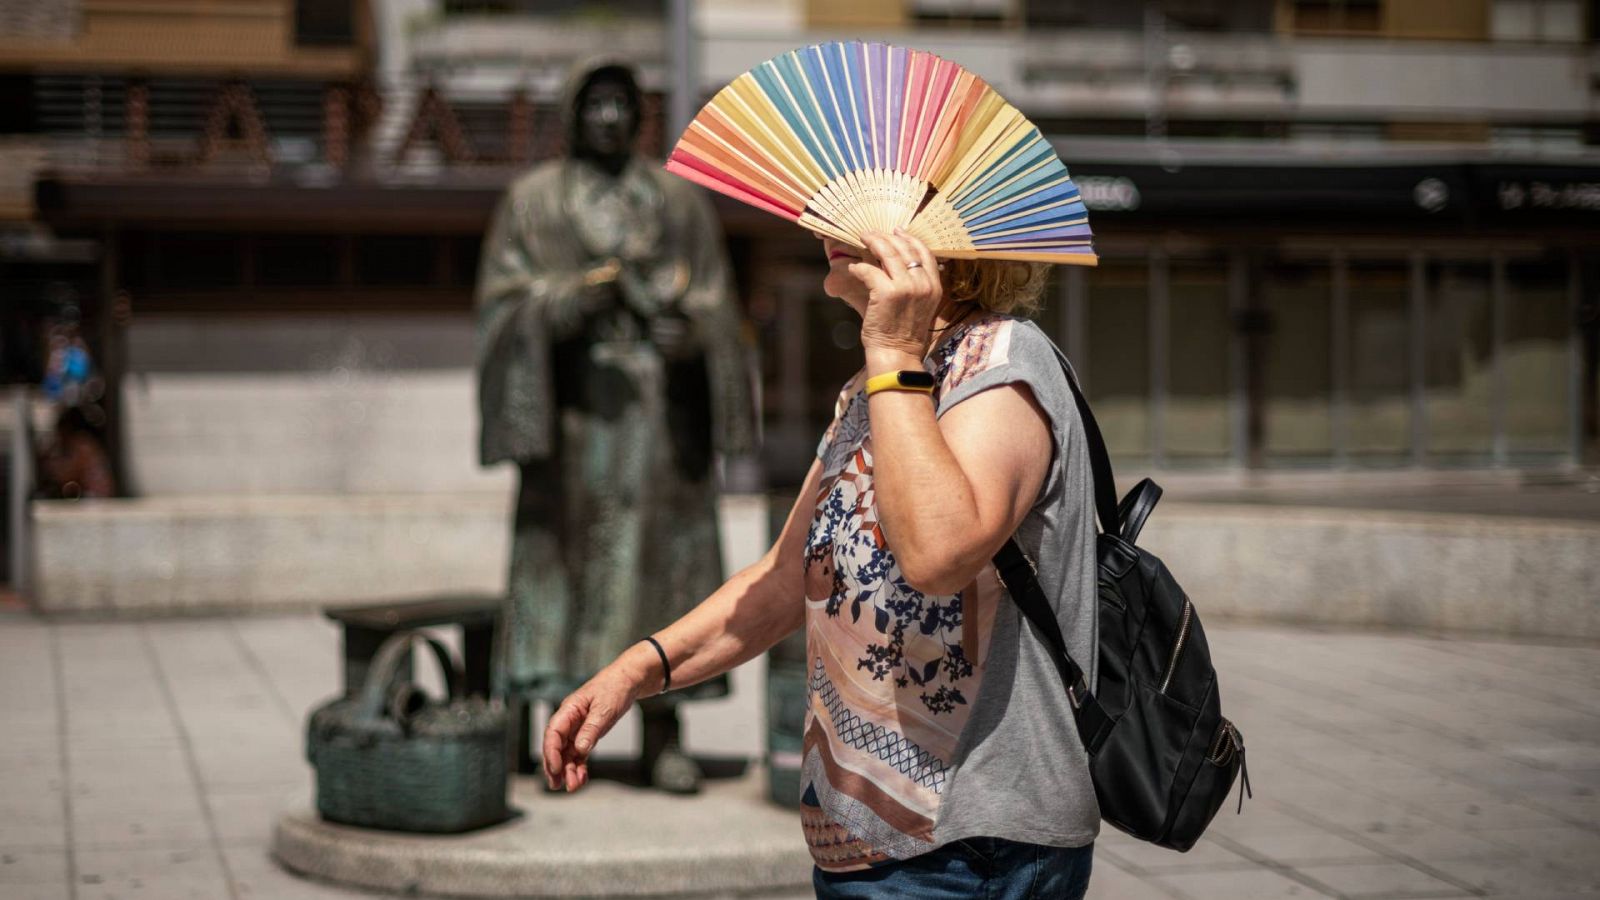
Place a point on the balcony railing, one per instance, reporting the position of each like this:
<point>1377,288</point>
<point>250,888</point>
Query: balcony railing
<point>412,130</point>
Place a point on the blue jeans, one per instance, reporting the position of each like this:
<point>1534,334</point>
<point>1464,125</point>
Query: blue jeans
<point>971,869</point>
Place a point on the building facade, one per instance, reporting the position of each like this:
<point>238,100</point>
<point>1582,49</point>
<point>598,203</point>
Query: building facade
<point>1342,233</point>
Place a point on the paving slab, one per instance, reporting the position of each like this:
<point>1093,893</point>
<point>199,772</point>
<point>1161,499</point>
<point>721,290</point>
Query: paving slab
<point>1108,881</point>
<point>1248,884</point>
<point>53,891</point>
<point>1205,855</point>
<point>30,866</point>
<point>172,873</point>
<point>1385,879</point>
<point>1300,845</point>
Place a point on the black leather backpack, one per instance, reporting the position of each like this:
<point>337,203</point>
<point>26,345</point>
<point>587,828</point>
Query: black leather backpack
<point>1162,756</point>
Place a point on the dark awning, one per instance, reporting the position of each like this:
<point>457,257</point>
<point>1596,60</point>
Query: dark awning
<point>1455,193</point>
<point>1444,194</point>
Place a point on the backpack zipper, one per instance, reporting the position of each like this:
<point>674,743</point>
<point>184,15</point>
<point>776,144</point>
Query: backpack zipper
<point>1223,745</point>
<point>1177,646</point>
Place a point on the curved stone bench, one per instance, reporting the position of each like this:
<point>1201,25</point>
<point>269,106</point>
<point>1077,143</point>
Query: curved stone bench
<point>608,840</point>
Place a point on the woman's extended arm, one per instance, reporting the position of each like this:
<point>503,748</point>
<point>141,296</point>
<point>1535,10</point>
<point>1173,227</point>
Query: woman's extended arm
<point>753,610</point>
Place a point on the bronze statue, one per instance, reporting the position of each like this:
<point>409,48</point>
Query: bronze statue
<point>611,371</point>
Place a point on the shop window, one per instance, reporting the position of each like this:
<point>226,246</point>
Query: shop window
<point>1378,396</point>
<point>1537,357</point>
<point>465,252</point>
<point>1198,424</point>
<point>1458,366</point>
<point>1298,370</point>
<point>1537,20</point>
<point>1118,370</point>
<point>296,260</point>
<point>17,115</point>
<point>199,261</point>
<point>396,260</point>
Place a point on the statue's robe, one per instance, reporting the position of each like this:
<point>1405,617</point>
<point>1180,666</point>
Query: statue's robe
<point>615,525</point>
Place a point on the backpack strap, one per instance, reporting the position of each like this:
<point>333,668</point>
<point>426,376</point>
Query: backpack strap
<point>1021,579</point>
<point>1105,483</point>
<point>1136,508</point>
<point>1017,573</point>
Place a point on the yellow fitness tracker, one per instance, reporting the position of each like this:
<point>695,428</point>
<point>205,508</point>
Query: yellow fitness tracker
<point>903,380</point>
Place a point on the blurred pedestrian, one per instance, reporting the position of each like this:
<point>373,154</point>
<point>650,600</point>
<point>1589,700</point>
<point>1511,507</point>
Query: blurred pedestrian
<point>69,375</point>
<point>76,465</point>
<point>941,756</point>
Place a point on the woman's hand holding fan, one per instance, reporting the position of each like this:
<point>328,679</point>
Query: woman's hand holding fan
<point>903,296</point>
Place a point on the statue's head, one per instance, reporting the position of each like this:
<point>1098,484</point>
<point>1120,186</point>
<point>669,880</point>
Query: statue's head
<point>604,115</point>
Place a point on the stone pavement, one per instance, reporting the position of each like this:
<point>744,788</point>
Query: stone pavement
<point>150,759</point>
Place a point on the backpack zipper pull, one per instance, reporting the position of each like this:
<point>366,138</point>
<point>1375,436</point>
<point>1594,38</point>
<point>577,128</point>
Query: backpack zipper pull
<point>1244,781</point>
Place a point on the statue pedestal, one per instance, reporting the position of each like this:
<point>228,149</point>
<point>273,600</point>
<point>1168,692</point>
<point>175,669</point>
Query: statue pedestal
<point>609,840</point>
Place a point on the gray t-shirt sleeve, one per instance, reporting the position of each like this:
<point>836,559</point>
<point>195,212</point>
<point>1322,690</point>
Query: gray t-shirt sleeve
<point>1024,355</point>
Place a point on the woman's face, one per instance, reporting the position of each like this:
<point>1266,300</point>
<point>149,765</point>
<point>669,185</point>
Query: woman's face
<point>839,282</point>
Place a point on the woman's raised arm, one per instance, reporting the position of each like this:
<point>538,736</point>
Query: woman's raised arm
<point>950,489</point>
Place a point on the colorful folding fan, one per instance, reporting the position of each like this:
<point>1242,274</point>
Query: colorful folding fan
<point>850,137</point>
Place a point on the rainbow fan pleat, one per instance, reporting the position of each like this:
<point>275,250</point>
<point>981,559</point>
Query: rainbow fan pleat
<point>851,137</point>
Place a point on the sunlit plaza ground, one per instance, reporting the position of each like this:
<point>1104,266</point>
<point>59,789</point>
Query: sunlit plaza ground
<point>151,759</point>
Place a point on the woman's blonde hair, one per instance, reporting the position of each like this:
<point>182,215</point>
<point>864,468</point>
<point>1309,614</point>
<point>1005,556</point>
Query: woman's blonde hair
<point>998,285</point>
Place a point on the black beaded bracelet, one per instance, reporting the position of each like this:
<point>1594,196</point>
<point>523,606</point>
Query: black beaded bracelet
<point>666,667</point>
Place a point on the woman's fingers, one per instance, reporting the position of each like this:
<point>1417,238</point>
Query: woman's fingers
<point>558,736</point>
<point>575,727</point>
<point>876,279</point>
<point>919,251</point>
<point>921,278</point>
<point>595,725</point>
<point>891,258</point>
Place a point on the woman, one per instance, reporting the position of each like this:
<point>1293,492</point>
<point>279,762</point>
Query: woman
<point>940,754</point>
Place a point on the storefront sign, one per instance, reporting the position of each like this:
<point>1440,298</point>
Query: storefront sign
<point>1462,192</point>
<point>1571,195</point>
<point>1109,192</point>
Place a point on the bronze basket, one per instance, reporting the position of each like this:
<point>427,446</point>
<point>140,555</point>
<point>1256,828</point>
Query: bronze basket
<point>389,756</point>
